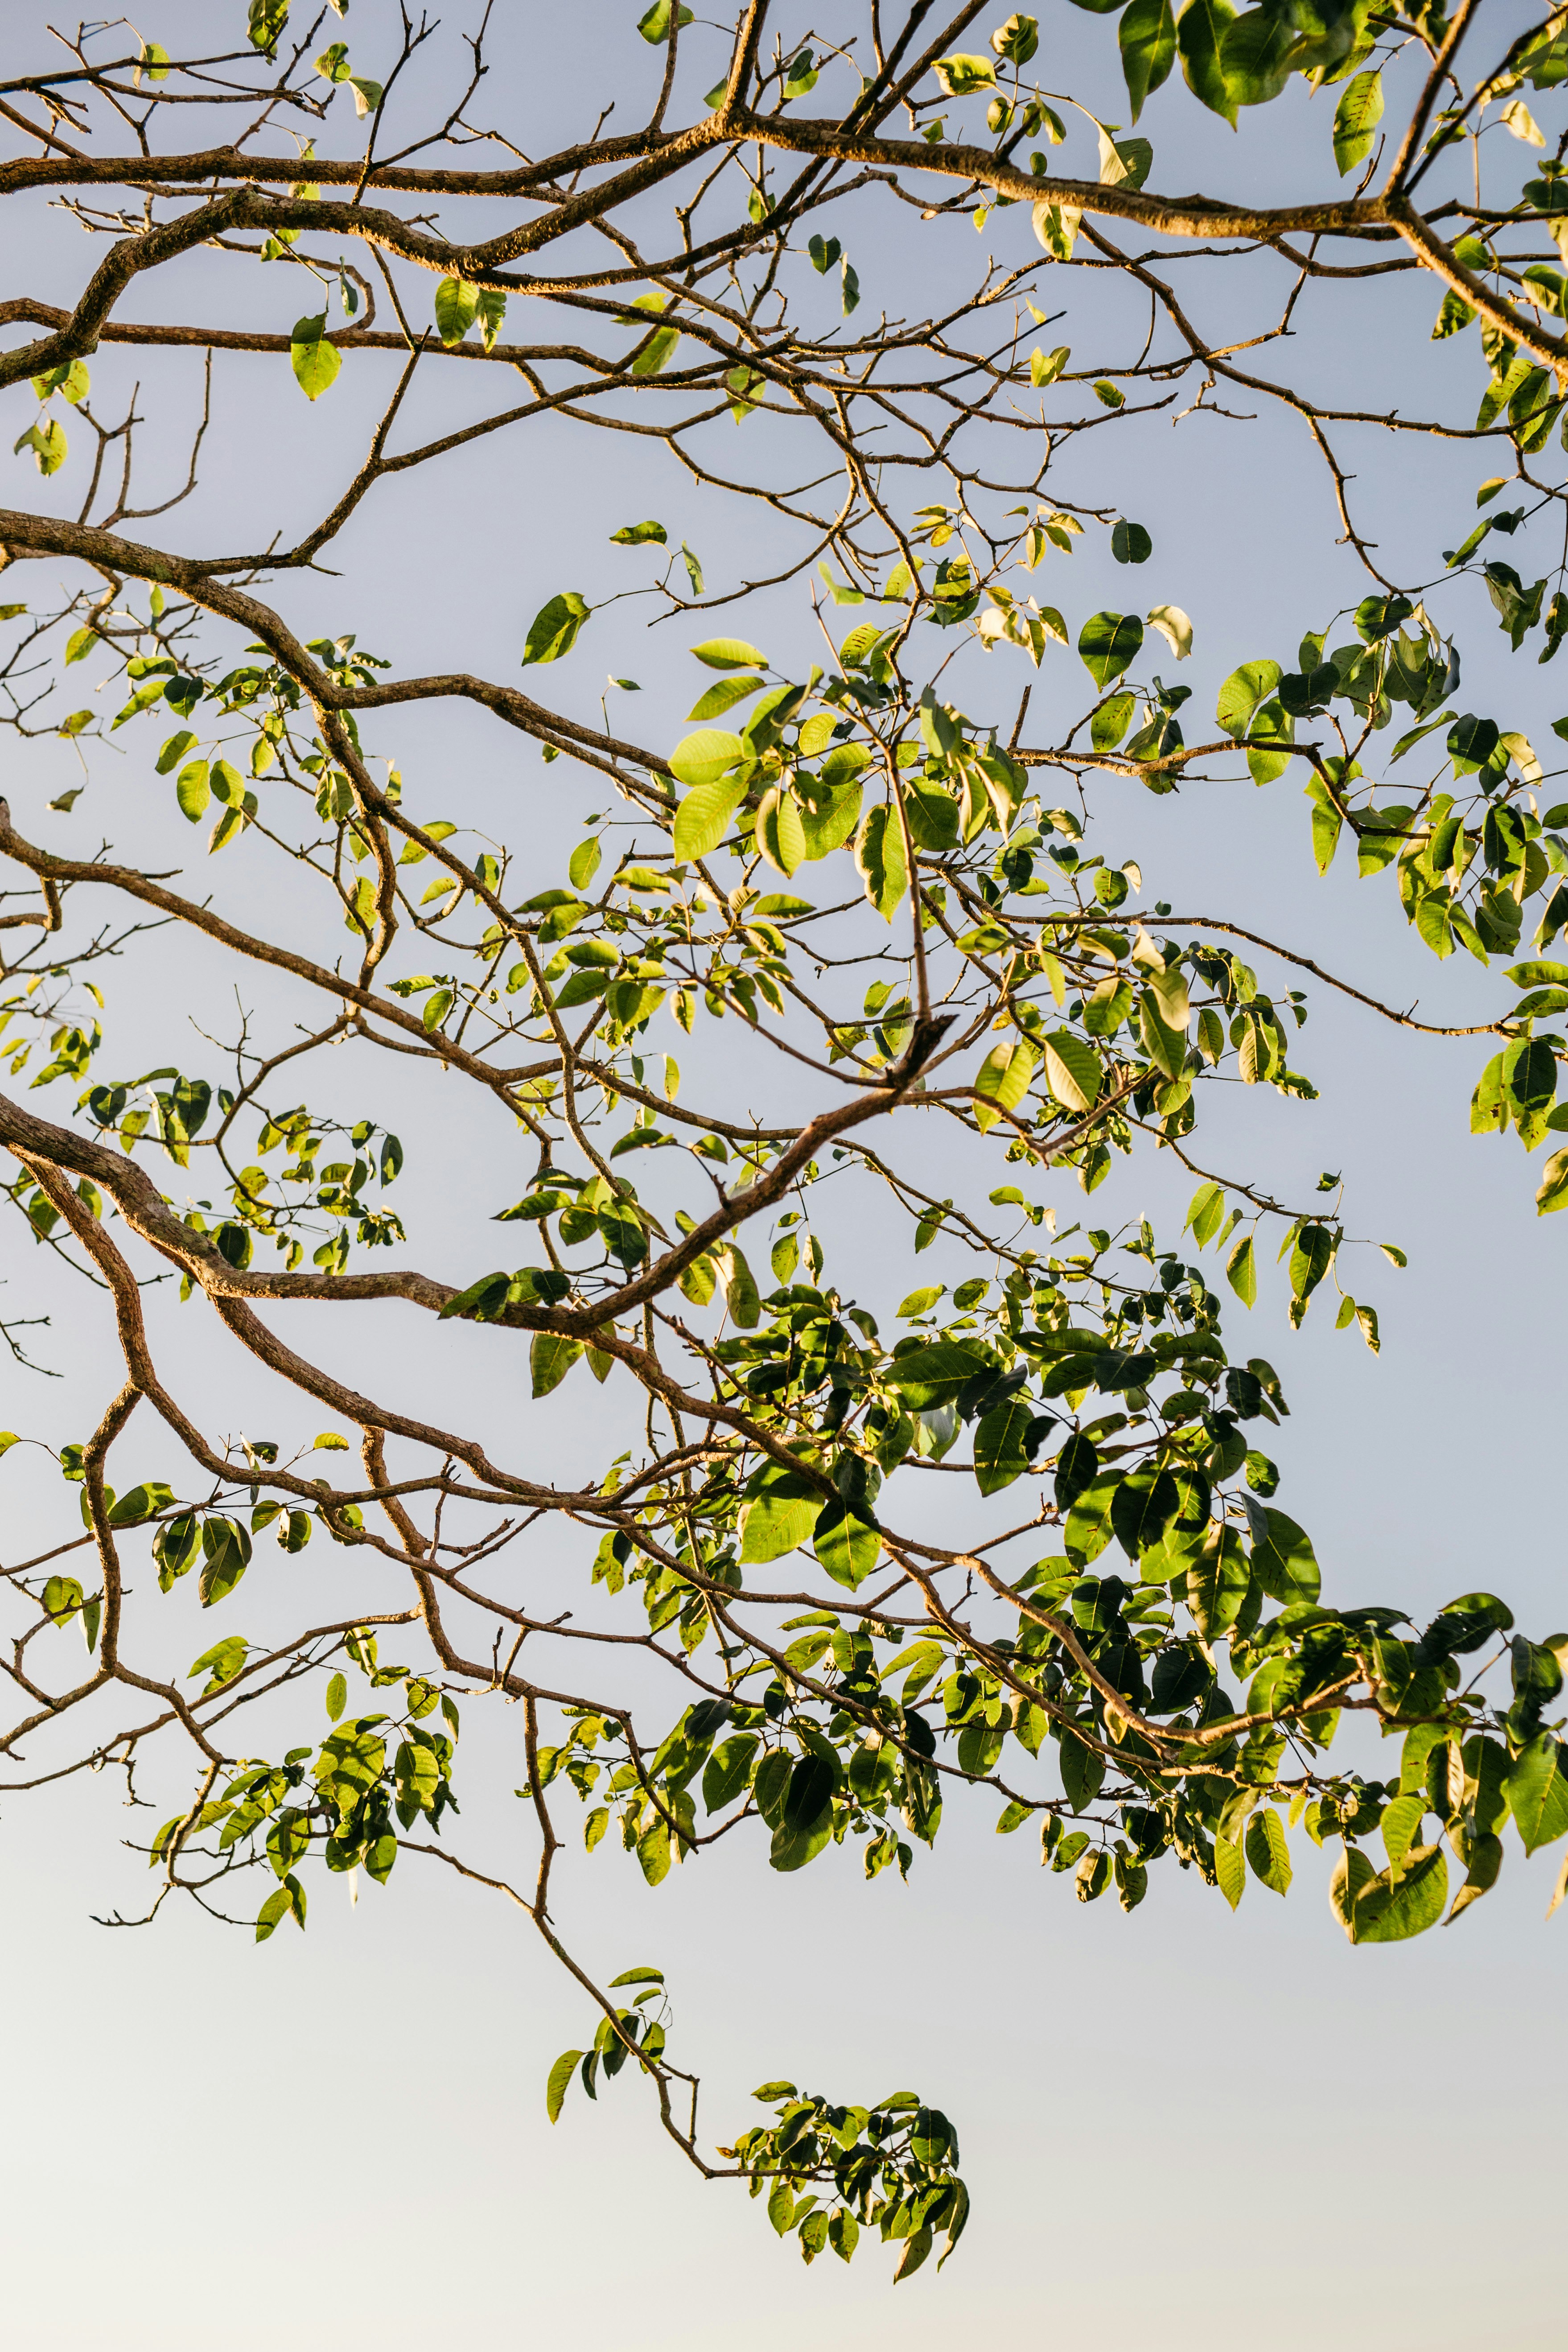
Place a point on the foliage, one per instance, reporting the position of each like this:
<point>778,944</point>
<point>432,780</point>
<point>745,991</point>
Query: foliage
<point>838,872</point>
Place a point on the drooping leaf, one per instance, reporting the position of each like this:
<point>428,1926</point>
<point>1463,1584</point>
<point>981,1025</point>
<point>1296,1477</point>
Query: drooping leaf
<point>1356,117</point>
<point>848,1545</point>
<point>1267,1850</point>
<point>1001,1444</point>
<point>881,858</point>
<point>1241,1271</point>
<point>1147,37</point>
<point>316,361</point>
<point>551,1358</point>
<point>1229,1869</point>
<point>457,305</point>
<point>1200,30</point>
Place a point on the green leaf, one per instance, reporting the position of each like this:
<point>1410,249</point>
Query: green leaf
<point>848,1545</point>
<point>1017,39</point>
<point>1454,316</point>
<point>1164,1045</point>
<point>881,861</point>
<point>1310,1259</point>
<point>1110,723</point>
<point>1404,1817</point>
<point>584,863</point>
<point>1285,1564</point>
<point>921,1302</point>
<point>1056,227</point>
<point>1398,1903</point>
<point>315,361</point>
<point>1199,31</point>
<point>1129,542</point>
<point>1217,1581</point>
<point>1147,37</point>
<point>1073,1071</point>
<point>140,1503</point>
<point>1002,1080</point>
<point>193,790</point>
<point>1353,1873</point>
<point>829,824</point>
<point>728,1771</point>
<point>1254,54</point>
<point>930,1376</point>
<point>1086,1530</point>
<point>1229,1870</point>
<point>723,694</point>
<point>1082,1771</point>
<point>273,1911</point>
<point>639,534</point>
<point>1108,642</point>
<point>560,2075</point>
<point>1241,1271</point>
<point>657,24</point>
<point>780,832</point>
<point>1537,1791</point>
<point>551,1358</point>
<point>457,304</point>
<point>556,627</point>
<point>72,383</point>
<point>653,1852</point>
<point>1142,1509</point>
<point>730,653</point>
<point>225,1547</point>
<point>654,356</point>
<point>1205,1213</point>
<point>47,442</point>
<point>174,751</point>
<point>739,1289</point>
<point>794,1847</point>
<point>1267,1850</point>
<point>701,758</point>
<point>337,1697</point>
<point>221,1664</point>
<point>961,74</point>
<point>703,818</point>
<point>1356,117</point>
<point>1242,692</point>
<point>781,1514</point>
<point>1553,1191</point>
<point>1001,1444</point>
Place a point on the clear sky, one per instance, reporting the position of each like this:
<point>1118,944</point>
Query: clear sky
<point>1181,2125</point>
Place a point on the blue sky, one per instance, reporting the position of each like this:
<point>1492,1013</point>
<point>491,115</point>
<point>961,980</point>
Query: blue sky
<point>1179,2122</point>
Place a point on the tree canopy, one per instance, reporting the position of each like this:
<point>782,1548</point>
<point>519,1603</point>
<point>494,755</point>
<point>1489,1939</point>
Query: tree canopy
<point>865,886</point>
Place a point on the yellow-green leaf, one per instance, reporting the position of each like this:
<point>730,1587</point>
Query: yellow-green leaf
<point>730,653</point>
<point>316,361</point>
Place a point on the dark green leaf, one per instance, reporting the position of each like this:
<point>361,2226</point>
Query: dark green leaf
<point>1108,642</point>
